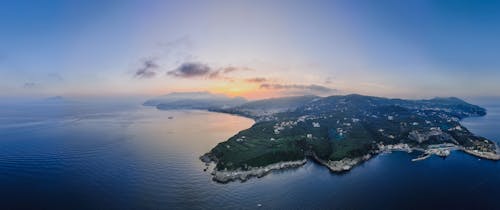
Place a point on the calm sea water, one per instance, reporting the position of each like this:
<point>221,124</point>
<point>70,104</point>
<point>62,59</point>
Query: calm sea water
<point>88,156</point>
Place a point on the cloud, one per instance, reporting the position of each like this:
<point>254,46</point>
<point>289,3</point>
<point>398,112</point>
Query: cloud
<point>200,70</point>
<point>191,70</point>
<point>214,75</point>
<point>256,80</point>
<point>295,87</point>
<point>29,85</point>
<point>148,69</point>
<point>218,74</point>
<point>230,69</point>
<point>171,52</point>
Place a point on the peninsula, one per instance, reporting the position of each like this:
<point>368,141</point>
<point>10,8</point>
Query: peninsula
<point>341,132</point>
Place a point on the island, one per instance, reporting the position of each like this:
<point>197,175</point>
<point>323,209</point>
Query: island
<point>341,132</point>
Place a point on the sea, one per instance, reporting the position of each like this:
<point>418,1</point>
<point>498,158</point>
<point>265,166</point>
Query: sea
<point>90,155</point>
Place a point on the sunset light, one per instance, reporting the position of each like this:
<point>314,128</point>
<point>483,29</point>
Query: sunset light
<point>249,104</point>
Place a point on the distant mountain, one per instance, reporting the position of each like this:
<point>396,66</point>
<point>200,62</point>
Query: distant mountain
<point>266,107</point>
<point>285,103</point>
<point>55,98</point>
<point>194,100</point>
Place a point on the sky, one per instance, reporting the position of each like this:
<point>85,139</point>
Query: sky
<point>255,49</point>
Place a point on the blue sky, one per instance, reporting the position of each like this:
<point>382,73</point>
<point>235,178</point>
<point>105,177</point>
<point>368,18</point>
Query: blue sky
<point>256,49</point>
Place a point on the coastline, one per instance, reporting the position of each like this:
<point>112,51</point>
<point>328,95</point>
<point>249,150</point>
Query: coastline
<point>344,165</point>
<point>243,175</point>
<point>483,155</point>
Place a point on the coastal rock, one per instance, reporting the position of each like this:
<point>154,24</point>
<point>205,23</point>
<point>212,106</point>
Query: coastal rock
<point>345,164</point>
<point>485,155</point>
<point>206,158</point>
<point>225,176</point>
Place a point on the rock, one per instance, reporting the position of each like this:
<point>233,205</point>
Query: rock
<point>243,175</point>
<point>206,158</point>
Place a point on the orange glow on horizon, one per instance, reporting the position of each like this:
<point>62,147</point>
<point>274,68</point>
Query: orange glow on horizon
<point>243,89</point>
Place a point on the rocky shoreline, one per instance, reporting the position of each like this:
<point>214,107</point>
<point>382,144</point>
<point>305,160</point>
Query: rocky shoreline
<point>440,150</point>
<point>224,176</point>
<point>484,155</point>
<point>347,164</point>
<point>344,165</point>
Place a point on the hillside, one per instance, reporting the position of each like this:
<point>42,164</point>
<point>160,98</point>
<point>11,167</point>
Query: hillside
<point>343,131</point>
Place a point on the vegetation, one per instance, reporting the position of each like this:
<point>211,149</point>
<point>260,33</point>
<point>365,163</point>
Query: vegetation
<point>338,127</point>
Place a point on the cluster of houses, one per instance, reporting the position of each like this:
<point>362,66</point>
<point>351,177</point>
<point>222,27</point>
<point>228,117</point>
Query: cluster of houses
<point>278,127</point>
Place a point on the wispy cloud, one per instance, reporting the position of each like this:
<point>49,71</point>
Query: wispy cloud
<point>148,69</point>
<point>295,87</point>
<point>177,53</point>
<point>171,52</point>
<point>230,69</point>
<point>256,80</point>
<point>221,72</point>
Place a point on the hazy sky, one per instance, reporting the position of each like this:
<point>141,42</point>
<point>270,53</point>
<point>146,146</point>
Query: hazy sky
<point>413,48</point>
